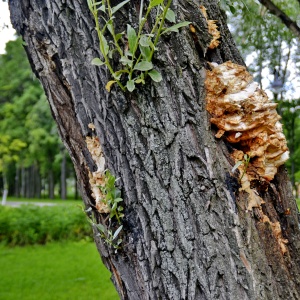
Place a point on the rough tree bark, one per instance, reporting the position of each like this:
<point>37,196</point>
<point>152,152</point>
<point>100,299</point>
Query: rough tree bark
<point>187,234</point>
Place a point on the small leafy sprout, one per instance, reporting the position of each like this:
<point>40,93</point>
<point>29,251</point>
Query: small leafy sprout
<point>136,61</point>
<point>245,163</point>
<point>112,196</point>
<point>110,237</point>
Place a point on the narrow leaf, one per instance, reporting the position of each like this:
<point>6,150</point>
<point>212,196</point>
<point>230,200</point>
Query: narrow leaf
<point>117,232</point>
<point>132,38</point>
<point>140,80</point>
<point>104,45</point>
<point>155,2</point>
<point>146,52</point>
<point>109,85</point>
<point>143,66</point>
<point>97,62</point>
<point>155,76</point>
<point>102,8</point>
<point>236,165</point>
<point>119,35</point>
<point>130,85</point>
<point>101,228</point>
<point>176,27</point>
<point>117,7</point>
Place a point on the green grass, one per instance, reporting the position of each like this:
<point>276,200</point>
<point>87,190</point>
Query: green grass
<point>298,202</point>
<point>46,200</point>
<point>70,270</point>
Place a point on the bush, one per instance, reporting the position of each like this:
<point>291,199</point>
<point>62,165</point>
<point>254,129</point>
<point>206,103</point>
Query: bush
<point>30,224</point>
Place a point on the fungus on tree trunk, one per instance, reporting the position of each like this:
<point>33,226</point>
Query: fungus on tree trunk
<point>247,118</point>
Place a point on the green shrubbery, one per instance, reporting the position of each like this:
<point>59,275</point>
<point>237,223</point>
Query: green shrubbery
<point>30,224</point>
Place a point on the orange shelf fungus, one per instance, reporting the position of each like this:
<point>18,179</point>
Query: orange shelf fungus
<point>97,179</point>
<point>248,120</point>
<point>212,29</point>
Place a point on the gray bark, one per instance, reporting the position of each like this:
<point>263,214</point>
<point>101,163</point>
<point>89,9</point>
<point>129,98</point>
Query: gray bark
<point>187,234</point>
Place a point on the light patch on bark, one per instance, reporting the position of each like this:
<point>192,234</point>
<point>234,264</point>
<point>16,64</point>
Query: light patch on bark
<point>97,179</point>
<point>246,118</point>
<point>212,29</point>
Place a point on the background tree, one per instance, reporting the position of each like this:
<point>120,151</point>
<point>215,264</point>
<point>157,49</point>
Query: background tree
<point>186,231</point>
<point>30,147</point>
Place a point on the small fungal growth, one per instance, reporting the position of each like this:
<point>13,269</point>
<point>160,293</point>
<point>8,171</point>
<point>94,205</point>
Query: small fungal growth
<point>97,179</point>
<point>247,119</point>
<point>212,29</point>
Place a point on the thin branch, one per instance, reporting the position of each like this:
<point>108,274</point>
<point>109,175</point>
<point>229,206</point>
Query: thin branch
<point>288,22</point>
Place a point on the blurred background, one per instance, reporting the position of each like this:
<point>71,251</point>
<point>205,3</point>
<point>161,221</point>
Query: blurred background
<point>45,239</point>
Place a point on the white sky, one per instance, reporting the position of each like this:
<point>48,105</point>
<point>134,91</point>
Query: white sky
<point>6,30</point>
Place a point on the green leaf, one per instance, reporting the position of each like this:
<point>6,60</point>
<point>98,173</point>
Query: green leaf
<point>97,62</point>
<point>175,28</point>
<point>118,200</point>
<point>232,9</point>
<point>132,38</point>
<point>236,165</point>
<point>140,80</point>
<point>143,66</point>
<point>101,228</point>
<point>119,35</point>
<point>126,61</point>
<point>146,52</point>
<point>155,76</point>
<point>102,8</point>
<point>170,16</point>
<point>104,45</point>
<point>130,85</point>
<point>144,41</point>
<point>117,7</point>
<point>154,3</point>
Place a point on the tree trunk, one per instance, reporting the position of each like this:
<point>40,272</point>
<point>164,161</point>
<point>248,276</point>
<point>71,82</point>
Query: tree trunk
<point>51,184</point>
<point>187,233</point>
<point>63,176</point>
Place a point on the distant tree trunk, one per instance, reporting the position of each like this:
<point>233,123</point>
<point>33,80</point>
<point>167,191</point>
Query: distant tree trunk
<point>38,185</point>
<point>187,232</point>
<point>51,184</point>
<point>63,176</point>
<point>23,183</point>
<point>76,188</point>
<point>17,182</point>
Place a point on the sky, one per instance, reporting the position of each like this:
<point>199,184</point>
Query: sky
<point>6,30</point>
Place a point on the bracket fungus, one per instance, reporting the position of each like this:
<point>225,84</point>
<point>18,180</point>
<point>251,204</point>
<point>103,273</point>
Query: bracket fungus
<point>248,120</point>
<point>97,178</point>
<point>212,29</point>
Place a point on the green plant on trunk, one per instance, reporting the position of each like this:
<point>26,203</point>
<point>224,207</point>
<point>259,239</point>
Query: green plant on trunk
<point>111,198</point>
<point>136,61</point>
<point>245,163</point>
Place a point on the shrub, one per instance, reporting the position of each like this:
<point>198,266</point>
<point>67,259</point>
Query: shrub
<point>30,224</point>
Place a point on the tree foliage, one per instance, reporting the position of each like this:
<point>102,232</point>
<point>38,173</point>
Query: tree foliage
<point>28,133</point>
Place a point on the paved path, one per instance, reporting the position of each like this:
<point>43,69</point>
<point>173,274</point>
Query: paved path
<point>19,203</point>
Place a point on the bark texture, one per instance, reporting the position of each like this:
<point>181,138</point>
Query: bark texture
<point>187,234</point>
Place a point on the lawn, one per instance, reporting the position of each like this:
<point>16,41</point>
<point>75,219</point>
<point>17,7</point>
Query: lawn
<point>46,200</point>
<point>66,270</point>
